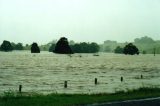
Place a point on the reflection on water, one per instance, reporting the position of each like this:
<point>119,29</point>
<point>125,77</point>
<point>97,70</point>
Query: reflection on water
<point>46,72</point>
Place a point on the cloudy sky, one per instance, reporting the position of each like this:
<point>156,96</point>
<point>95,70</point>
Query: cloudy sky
<point>41,21</point>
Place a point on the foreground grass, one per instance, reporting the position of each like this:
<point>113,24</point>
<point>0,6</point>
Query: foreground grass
<point>10,99</point>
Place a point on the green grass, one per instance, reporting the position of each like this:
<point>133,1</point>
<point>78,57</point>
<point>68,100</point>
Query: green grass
<point>13,99</point>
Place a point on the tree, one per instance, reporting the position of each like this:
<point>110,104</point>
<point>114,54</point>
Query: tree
<point>35,48</point>
<point>62,46</point>
<point>52,48</point>
<point>18,46</point>
<point>94,47</point>
<point>6,46</point>
<point>85,47</point>
<point>76,48</point>
<point>130,49</point>
<point>118,50</point>
<point>144,39</point>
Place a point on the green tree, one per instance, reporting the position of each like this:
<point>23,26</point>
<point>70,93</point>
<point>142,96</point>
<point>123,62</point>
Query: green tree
<point>6,46</point>
<point>144,39</point>
<point>130,49</point>
<point>62,46</point>
<point>94,47</point>
<point>118,50</point>
<point>18,46</point>
<point>85,47</point>
<point>35,48</point>
<point>52,48</point>
<point>76,48</point>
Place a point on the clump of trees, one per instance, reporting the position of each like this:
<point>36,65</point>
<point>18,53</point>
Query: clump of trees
<point>118,50</point>
<point>18,46</point>
<point>145,43</point>
<point>144,40</point>
<point>85,47</point>
<point>130,49</point>
<point>6,46</point>
<point>62,46</point>
<point>35,48</point>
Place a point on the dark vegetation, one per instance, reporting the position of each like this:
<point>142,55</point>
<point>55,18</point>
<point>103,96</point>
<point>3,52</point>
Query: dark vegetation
<point>130,49</point>
<point>13,99</point>
<point>145,45</point>
<point>62,46</point>
<point>35,48</point>
<point>6,46</point>
<point>18,46</point>
<point>85,47</point>
<point>118,50</point>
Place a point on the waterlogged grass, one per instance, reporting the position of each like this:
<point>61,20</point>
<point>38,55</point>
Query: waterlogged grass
<point>13,99</point>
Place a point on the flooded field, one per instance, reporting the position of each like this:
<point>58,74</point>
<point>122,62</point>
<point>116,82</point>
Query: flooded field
<point>46,72</point>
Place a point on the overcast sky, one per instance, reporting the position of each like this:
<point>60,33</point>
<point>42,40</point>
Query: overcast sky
<point>41,21</point>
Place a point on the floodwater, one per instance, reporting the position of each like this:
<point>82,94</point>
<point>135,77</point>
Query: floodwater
<point>46,72</point>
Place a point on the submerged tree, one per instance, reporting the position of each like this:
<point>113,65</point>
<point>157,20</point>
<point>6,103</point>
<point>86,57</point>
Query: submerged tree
<point>63,47</point>
<point>35,48</point>
<point>130,49</point>
<point>6,46</point>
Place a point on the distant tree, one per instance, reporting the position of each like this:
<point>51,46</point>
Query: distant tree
<point>107,49</point>
<point>94,47</point>
<point>130,49</point>
<point>85,47</point>
<point>144,52</point>
<point>118,50</point>
<point>144,39</point>
<point>110,42</point>
<point>18,46</point>
<point>52,48</point>
<point>35,48</point>
<point>76,48</point>
<point>27,47</point>
<point>62,46</point>
<point>6,46</point>
<point>44,47</point>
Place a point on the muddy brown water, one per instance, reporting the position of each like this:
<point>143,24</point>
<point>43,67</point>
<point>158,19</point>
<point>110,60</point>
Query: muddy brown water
<point>46,72</point>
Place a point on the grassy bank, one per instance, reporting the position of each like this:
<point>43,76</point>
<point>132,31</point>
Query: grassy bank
<point>12,99</point>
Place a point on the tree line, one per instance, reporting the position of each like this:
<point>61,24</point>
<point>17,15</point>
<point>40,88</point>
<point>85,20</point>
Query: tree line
<point>140,45</point>
<point>61,46</point>
<point>146,45</point>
